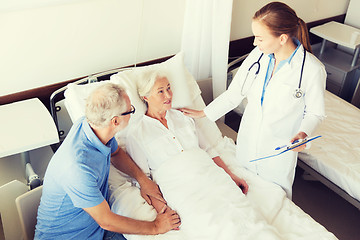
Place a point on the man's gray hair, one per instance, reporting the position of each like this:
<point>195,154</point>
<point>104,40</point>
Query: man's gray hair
<point>104,103</point>
<point>147,82</point>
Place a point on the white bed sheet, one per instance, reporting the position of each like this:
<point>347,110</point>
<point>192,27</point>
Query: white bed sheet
<point>337,154</point>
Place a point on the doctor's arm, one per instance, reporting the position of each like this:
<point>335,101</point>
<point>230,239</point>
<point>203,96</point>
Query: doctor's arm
<point>226,101</point>
<point>124,163</point>
<point>314,111</point>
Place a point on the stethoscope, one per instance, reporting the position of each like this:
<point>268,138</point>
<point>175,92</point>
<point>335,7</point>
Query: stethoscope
<point>298,93</point>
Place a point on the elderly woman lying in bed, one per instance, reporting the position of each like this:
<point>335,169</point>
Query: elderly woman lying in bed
<point>204,192</point>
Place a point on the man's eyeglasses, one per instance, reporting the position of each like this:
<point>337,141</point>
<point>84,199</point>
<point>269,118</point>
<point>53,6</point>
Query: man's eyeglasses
<point>132,111</point>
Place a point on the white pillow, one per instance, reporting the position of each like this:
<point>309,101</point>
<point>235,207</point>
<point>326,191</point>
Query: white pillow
<point>184,87</point>
<point>181,82</point>
<point>75,98</point>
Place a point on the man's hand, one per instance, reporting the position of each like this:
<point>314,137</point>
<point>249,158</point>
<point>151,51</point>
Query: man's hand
<point>149,188</point>
<point>241,183</point>
<point>167,220</point>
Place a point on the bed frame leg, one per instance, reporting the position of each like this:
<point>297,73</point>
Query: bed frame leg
<point>308,177</point>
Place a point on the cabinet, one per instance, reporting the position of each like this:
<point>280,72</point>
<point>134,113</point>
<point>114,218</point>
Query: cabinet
<point>24,125</point>
<point>342,68</point>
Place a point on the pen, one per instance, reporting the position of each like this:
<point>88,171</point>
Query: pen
<point>278,148</point>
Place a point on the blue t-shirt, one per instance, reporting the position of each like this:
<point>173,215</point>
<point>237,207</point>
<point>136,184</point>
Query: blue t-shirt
<point>76,178</point>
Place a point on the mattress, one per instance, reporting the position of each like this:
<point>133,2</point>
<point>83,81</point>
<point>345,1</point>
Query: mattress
<point>337,154</point>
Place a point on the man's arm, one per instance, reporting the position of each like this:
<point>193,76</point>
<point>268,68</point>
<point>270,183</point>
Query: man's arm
<point>122,161</point>
<point>165,221</point>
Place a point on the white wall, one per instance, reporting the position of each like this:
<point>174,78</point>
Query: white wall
<point>52,43</point>
<point>43,42</point>
<point>308,10</point>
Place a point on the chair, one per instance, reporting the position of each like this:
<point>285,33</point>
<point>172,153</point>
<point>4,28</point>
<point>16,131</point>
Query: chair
<point>27,205</point>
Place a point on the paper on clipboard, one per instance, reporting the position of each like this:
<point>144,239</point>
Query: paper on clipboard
<point>288,148</point>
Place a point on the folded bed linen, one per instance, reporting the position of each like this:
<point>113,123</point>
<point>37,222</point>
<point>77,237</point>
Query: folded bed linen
<point>337,154</point>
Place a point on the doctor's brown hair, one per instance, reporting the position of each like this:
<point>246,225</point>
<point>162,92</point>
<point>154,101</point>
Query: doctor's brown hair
<point>281,19</point>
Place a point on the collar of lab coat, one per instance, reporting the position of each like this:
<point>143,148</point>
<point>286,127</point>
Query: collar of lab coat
<point>297,58</point>
<point>288,60</point>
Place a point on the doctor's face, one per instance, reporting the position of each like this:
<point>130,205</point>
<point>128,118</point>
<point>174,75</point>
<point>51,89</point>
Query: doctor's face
<point>160,97</point>
<point>264,39</point>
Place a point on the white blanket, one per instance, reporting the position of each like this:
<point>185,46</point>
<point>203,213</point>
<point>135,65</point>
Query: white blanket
<point>209,203</point>
<point>211,206</point>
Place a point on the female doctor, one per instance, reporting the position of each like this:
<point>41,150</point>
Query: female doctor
<point>284,85</point>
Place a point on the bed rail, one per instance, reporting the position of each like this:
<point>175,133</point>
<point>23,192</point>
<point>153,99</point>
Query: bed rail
<point>318,176</point>
<point>236,63</point>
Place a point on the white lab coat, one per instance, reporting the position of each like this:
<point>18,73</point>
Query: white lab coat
<point>281,116</point>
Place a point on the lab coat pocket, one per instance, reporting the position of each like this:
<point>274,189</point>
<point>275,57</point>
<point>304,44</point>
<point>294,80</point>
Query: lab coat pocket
<point>284,111</point>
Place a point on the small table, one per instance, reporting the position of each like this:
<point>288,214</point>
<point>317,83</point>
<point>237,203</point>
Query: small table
<point>341,34</point>
<point>24,126</point>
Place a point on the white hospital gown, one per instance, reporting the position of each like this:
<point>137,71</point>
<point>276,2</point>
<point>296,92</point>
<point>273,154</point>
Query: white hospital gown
<point>210,204</point>
<point>150,143</point>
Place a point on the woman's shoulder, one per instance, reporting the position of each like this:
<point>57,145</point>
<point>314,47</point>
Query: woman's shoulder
<point>176,113</point>
<point>312,59</point>
<point>178,116</point>
<point>315,65</point>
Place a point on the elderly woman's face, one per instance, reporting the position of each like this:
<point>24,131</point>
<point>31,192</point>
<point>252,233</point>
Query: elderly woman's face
<point>160,97</point>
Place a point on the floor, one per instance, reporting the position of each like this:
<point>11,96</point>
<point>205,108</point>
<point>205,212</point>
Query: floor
<point>322,204</point>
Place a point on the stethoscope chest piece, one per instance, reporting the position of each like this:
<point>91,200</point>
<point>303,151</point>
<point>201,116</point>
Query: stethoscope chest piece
<point>298,93</point>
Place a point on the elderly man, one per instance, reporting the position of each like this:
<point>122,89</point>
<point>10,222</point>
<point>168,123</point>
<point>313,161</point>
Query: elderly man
<point>74,200</point>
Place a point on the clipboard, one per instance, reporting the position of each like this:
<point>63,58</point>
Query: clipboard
<point>288,148</point>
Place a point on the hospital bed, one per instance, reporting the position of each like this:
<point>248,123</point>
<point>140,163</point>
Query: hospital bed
<point>334,159</point>
<point>267,198</point>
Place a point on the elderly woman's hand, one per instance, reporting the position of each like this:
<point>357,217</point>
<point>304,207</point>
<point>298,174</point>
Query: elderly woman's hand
<point>193,113</point>
<point>241,183</point>
<point>149,188</point>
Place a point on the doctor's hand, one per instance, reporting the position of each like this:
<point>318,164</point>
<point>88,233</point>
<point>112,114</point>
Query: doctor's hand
<point>300,135</point>
<point>193,113</point>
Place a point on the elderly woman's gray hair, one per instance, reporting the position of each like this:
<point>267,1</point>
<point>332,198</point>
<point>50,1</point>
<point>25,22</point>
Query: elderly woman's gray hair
<point>104,103</point>
<point>147,81</point>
